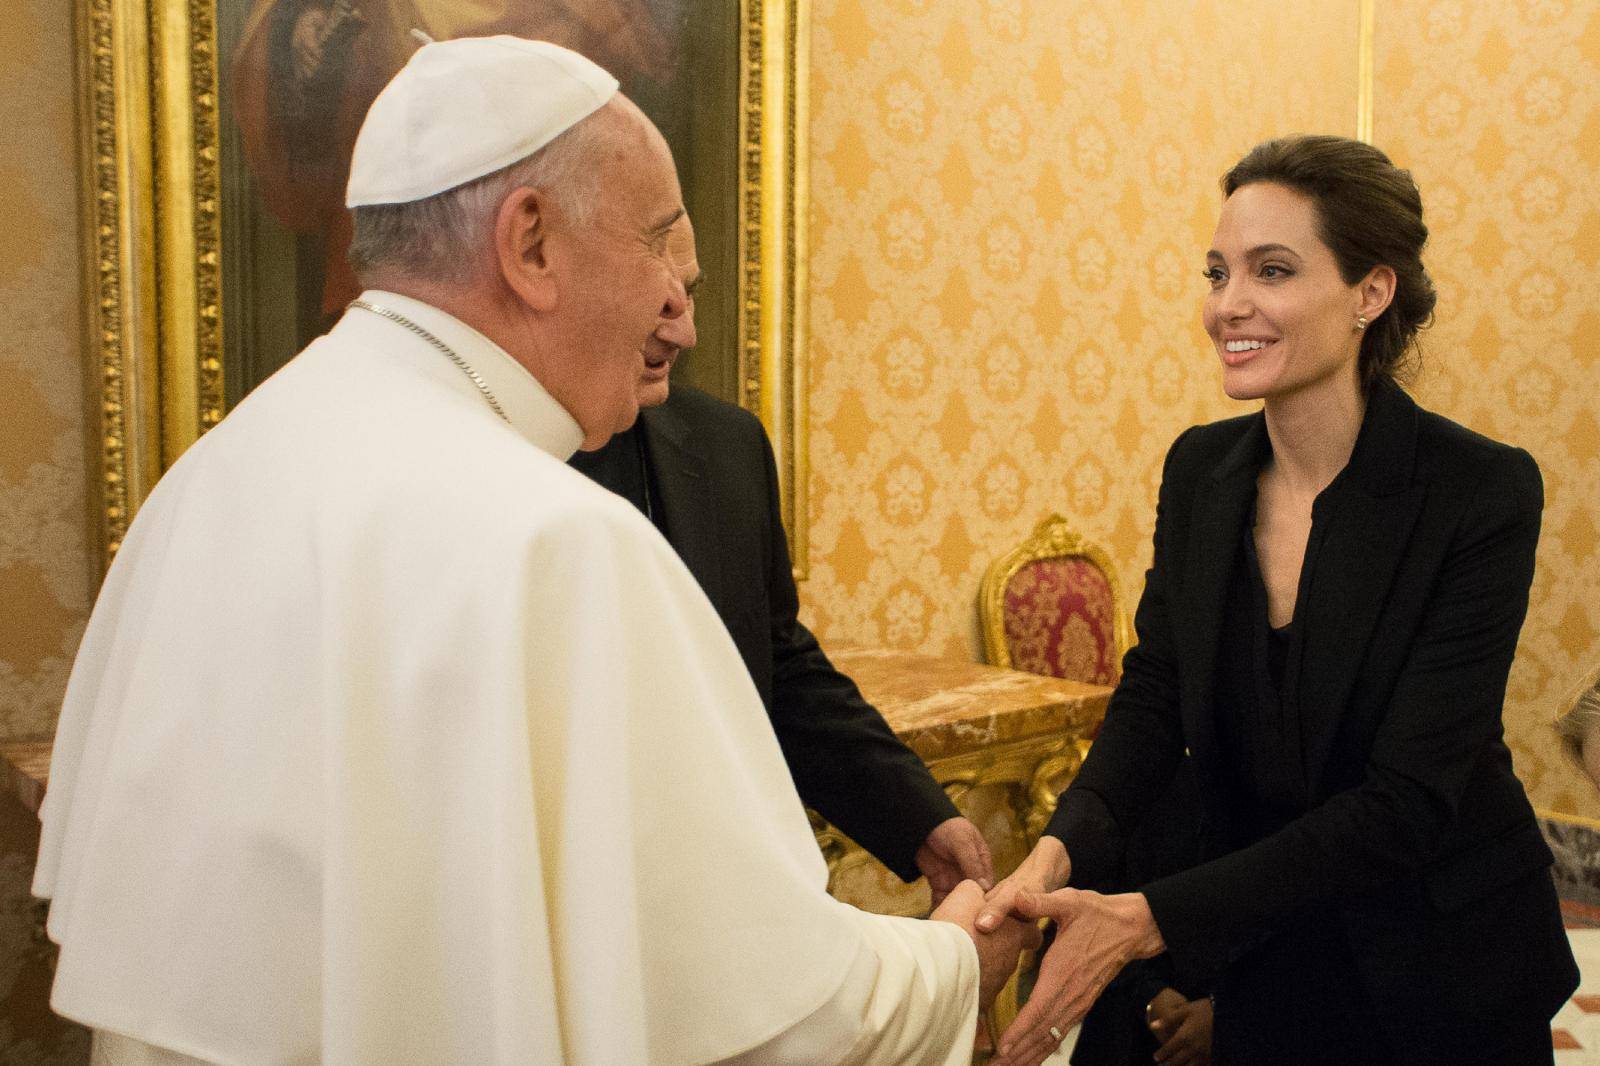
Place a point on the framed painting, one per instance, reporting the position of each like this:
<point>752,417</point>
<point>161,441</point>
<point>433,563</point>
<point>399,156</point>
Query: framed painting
<point>217,140</point>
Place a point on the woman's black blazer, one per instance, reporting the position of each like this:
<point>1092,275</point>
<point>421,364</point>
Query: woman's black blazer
<point>1419,840</point>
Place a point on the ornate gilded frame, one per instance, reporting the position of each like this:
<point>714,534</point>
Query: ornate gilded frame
<point>154,262</point>
<point>1052,538</point>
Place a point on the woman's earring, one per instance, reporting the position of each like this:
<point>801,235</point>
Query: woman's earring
<point>1360,324</point>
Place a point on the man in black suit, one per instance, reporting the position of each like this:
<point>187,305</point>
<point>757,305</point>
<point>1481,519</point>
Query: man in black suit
<point>702,471</point>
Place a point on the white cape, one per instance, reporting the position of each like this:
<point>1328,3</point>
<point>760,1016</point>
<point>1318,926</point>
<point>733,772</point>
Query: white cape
<point>394,740</point>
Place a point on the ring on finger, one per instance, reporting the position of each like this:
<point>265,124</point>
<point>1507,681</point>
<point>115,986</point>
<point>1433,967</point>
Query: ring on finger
<point>1055,1033</point>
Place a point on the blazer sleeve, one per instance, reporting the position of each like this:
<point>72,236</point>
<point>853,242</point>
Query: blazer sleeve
<point>1141,740</point>
<point>846,761</point>
<point>1442,715</point>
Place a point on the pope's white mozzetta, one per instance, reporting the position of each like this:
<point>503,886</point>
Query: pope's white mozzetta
<point>393,739</point>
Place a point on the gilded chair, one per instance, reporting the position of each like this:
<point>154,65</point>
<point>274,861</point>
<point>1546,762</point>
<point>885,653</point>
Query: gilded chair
<point>1053,605</point>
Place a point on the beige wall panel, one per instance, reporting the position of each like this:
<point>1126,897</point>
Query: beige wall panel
<point>44,554</point>
<point>1010,208</point>
<point>1496,109</point>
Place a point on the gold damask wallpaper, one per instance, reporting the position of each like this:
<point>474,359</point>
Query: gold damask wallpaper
<point>1009,202</point>
<point>1009,209</point>
<point>45,568</point>
<point>1496,109</point>
<point>44,553</point>
<point>1010,206</point>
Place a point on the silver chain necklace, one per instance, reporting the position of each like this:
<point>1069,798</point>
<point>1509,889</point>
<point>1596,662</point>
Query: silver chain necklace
<point>449,352</point>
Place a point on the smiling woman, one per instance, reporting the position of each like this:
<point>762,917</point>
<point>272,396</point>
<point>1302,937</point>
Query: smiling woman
<point>1324,637</point>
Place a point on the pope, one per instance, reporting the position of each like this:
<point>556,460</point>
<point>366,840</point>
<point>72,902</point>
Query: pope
<point>393,739</point>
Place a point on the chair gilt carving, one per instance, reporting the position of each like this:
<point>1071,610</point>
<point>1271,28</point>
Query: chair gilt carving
<point>1053,605</point>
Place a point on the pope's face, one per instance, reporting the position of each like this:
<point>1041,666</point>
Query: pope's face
<point>661,354</point>
<point>627,300</point>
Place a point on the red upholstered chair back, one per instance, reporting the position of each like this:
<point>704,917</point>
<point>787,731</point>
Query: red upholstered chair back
<point>1052,606</point>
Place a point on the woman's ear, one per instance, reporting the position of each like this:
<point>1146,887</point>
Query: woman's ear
<point>1376,292</point>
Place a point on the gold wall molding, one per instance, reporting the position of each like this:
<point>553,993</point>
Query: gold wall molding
<point>153,184</point>
<point>773,191</point>
<point>119,222</point>
<point>1365,43</point>
<point>188,185</point>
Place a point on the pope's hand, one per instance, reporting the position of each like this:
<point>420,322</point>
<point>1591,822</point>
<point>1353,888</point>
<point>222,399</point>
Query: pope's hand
<point>954,852</point>
<point>997,951</point>
<point>1096,936</point>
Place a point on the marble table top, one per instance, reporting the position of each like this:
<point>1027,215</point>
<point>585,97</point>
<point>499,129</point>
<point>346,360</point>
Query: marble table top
<point>944,707</point>
<point>939,707</point>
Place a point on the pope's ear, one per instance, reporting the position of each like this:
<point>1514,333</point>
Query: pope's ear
<point>521,245</point>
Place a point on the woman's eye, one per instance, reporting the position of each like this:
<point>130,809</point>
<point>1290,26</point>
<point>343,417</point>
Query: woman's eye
<point>1214,275</point>
<point>1273,270</point>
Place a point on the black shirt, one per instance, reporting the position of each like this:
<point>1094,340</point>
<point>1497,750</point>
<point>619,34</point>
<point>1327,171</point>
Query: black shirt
<point>1258,720</point>
<point>624,468</point>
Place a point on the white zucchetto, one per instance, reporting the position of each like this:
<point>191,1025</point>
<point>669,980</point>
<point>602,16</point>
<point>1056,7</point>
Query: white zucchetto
<point>465,108</point>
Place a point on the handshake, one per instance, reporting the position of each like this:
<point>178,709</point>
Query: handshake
<point>1097,936</point>
<point>998,949</point>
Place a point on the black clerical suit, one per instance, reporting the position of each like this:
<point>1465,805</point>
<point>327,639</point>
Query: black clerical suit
<point>703,471</point>
<point>1381,822</point>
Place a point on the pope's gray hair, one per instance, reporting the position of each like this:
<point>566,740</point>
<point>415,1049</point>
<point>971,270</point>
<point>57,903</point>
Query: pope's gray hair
<point>441,238</point>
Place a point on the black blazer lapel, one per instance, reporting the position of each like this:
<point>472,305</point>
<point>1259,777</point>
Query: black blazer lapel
<point>684,482</point>
<point>1221,506</point>
<point>1367,516</point>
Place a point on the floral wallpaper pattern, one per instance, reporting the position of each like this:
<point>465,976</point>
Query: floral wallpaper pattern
<point>1010,205</point>
<point>44,554</point>
<point>1496,109</point>
<point>45,564</point>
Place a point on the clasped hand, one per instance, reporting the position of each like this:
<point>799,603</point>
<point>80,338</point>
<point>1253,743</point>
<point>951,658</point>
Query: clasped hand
<point>999,946</point>
<point>1096,936</point>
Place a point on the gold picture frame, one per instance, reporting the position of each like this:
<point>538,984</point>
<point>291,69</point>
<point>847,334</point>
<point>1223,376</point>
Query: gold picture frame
<point>154,256</point>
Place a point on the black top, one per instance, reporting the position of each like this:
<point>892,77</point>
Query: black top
<point>623,466</point>
<point>1258,716</point>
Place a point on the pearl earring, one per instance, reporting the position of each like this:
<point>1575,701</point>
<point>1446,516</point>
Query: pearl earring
<point>1360,324</point>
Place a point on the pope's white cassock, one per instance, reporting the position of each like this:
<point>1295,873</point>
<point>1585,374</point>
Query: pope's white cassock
<point>394,740</point>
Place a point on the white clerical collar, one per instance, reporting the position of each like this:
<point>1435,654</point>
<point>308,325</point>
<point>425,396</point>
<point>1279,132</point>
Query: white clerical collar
<point>531,410</point>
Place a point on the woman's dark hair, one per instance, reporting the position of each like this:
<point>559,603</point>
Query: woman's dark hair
<point>1369,213</point>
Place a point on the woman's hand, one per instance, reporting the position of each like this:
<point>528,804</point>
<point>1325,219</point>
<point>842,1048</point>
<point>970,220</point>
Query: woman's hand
<point>1182,1027</point>
<point>1097,935</point>
<point>1046,869</point>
